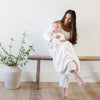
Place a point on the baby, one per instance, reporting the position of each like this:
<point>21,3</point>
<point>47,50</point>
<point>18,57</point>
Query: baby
<point>56,33</point>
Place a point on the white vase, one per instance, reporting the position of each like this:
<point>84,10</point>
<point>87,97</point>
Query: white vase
<point>12,77</point>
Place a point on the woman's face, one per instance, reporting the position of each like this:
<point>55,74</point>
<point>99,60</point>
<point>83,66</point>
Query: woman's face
<point>68,19</point>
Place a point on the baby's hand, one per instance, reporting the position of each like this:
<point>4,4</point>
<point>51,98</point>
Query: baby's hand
<point>63,40</point>
<point>58,36</point>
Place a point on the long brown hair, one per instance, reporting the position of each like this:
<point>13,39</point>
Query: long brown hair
<point>73,32</point>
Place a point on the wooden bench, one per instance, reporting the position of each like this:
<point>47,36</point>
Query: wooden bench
<point>44,57</point>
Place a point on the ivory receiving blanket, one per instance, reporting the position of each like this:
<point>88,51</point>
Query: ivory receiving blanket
<point>62,54</point>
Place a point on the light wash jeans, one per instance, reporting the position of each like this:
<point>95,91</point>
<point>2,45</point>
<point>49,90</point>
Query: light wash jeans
<point>64,77</point>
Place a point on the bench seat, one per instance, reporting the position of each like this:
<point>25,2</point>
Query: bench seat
<point>44,57</point>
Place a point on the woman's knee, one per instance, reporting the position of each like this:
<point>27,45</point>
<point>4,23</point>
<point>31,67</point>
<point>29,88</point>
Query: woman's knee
<point>72,66</point>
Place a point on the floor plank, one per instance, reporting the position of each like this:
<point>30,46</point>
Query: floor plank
<point>50,91</point>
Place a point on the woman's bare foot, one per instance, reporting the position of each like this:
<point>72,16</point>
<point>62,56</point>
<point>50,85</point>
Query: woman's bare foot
<point>80,82</point>
<point>64,93</point>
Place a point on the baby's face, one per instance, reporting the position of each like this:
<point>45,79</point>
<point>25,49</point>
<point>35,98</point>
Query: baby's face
<point>56,27</point>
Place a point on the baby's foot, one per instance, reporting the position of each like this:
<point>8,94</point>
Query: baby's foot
<point>64,93</point>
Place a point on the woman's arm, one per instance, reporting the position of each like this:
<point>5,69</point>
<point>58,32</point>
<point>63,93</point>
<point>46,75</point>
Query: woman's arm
<point>47,35</point>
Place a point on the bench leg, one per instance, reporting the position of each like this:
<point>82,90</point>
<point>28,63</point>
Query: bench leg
<point>38,75</point>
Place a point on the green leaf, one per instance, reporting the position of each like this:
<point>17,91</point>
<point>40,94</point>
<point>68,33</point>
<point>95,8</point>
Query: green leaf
<point>10,46</point>
<point>23,42</point>
<point>0,44</point>
<point>24,34</point>
<point>4,50</point>
<point>31,47</point>
<point>12,39</point>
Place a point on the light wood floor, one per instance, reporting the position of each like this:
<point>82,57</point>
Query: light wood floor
<point>50,91</point>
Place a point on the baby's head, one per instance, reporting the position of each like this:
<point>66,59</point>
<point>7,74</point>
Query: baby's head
<point>56,26</point>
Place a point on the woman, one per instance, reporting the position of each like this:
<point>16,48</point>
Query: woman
<point>69,29</point>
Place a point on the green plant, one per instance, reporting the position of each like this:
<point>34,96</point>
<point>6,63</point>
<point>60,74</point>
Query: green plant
<point>11,60</point>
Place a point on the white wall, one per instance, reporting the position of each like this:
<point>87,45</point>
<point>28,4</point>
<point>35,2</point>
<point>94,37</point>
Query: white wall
<point>35,16</point>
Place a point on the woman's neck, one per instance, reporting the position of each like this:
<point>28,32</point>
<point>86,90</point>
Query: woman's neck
<point>66,27</point>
